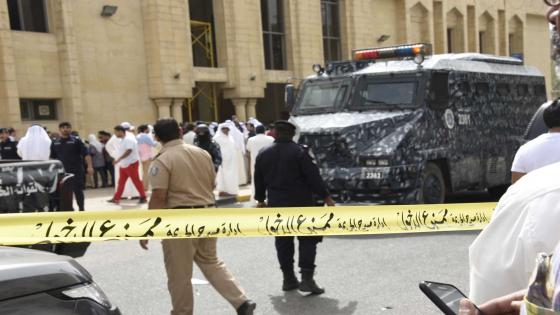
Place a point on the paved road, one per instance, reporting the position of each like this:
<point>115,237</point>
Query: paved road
<point>362,275</point>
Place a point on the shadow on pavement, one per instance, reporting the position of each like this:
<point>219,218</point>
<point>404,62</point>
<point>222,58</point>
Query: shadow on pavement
<point>290,302</point>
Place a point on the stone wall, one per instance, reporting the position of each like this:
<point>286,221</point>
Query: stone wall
<point>137,65</point>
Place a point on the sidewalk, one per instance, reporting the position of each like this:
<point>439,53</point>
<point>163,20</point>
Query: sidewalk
<point>243,196</point>
<point>96,199</point>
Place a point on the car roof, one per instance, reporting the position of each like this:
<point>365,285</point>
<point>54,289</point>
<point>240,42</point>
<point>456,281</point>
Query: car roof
<point>27,271</point>
<point>465,62</point>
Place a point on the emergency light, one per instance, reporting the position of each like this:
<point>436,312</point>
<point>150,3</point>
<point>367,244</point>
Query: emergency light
<point>416,51</point>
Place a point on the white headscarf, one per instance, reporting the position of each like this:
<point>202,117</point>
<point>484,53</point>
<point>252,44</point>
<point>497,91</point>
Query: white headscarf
<point>211,127</point>
<point>92,139</point>
<point>254,122</point>
<point>237,135</point>
<point>36,145</point>
<point>220,134</point>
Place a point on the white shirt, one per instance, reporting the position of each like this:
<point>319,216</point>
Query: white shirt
<point>188,138</point>
<point>128,143</point>
<point>257,143</point>
<point>526,222</point>
<point>541,151</point>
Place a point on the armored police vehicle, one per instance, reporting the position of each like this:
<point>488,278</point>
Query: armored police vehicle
<point>398,125</point>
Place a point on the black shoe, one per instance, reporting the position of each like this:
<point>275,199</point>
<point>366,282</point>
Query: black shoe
<point>247,308</point>
<point>142,201</point>
<point>308,284</point>
<point>290,282</point>
<point>113,201</point>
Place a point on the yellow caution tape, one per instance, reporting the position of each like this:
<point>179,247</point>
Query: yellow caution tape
<point>45,227</point>
<point>66,227</point>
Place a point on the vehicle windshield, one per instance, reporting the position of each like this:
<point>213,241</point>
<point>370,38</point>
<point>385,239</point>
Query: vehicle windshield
<point>324,95</point>
<point>387,94</point>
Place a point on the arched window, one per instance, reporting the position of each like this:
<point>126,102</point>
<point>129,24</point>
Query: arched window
<point>487,34</point>
<point>516,37</point>
<point>420,28</point>
<point>455,31</point>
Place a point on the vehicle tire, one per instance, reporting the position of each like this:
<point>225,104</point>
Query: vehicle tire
<point>433,185</point>
<point>497,191</point>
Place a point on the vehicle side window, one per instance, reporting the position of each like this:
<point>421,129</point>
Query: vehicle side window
<point>540,89</point>
<point>376,92</point>
<point>465,87</point>
<point>325,95</point>
<point>503,89</point>
<point>440,89</point>
<point>482,89</point>
<point>522,90</point>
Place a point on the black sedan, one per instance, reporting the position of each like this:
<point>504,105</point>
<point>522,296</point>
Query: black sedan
<point>37,282</point>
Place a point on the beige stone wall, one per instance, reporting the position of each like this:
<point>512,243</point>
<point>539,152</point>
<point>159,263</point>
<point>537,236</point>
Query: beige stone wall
<point>537,47</point>
<point>239,43</point>
<point>112,65</point>
<point>365,21</point>
<point>137,65</point>
<point>39,73</point>
<point>9,104</point>
<point>304,38</point>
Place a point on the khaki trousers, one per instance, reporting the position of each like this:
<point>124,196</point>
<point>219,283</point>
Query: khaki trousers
<point>145,175</point>
<point>179,255</point>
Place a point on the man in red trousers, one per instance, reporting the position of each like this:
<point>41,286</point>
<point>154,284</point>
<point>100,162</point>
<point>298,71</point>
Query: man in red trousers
<point>129,162</point>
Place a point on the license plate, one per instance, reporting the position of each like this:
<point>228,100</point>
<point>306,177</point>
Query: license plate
<point>367,174</point>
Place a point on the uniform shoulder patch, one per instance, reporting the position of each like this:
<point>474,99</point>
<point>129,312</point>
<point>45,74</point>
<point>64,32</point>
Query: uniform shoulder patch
<point>154,170</point>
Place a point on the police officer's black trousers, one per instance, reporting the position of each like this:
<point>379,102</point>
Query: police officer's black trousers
<point>79,194</point>
<point>78,189</point>
<point>307,251</point>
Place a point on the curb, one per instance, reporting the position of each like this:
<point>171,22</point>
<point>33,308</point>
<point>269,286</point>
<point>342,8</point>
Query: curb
<point>233,199</point>
<point>243,198</point>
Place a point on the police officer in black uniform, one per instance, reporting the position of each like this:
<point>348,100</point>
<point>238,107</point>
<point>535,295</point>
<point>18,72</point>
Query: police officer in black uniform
<point>286,176</point>
<point>8,148</point>
<point>71,151</point>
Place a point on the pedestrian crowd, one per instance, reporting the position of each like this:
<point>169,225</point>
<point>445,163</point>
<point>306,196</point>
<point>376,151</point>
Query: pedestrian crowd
<point>183,166</point>
<point>97,161</point>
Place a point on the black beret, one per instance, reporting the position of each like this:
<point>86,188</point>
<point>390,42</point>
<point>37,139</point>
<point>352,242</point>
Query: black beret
<point>284,124</point>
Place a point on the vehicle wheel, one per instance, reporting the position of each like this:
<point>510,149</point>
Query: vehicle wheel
<point>498,191</point>
<point>433,185</point>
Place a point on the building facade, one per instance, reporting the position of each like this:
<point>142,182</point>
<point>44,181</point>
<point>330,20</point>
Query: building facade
<point>96,64</point>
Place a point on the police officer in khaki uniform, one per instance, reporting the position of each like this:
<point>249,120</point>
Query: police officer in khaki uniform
<point>182,177</point>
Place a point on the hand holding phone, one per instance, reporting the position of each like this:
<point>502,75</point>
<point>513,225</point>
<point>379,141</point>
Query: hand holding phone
<point>445,296</point>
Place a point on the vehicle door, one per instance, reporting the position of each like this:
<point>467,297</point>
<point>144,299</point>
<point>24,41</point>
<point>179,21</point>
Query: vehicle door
<point>466,123</point>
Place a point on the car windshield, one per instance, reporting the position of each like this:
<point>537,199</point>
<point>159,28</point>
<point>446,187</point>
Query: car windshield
<point>386,94</point>
<point>323,95</point>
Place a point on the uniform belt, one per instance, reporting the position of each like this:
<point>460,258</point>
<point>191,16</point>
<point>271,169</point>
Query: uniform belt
<point>195,207</point>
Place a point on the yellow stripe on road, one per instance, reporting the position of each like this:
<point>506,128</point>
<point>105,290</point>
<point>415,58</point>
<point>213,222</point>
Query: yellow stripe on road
<point>90,226</point>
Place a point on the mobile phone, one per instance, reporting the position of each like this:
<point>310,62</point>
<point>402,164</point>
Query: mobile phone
<point>445,296</point>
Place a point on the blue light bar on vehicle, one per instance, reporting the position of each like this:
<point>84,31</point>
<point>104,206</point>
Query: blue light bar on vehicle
<point>393,52</point>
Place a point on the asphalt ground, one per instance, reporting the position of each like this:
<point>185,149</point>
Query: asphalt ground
<point>361,274</point>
